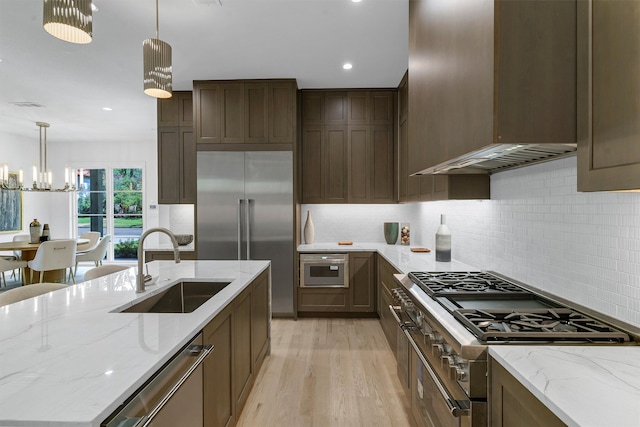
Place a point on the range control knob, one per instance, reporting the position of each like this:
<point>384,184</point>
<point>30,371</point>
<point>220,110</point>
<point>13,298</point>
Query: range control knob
<point>446,362</point>
<point>433,338</point>
<point>437,349</point>
<point>457,373</point>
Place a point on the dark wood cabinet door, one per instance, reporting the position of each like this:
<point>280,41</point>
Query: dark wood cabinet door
<point>282,112</point>
<point>362,281</point>
<point>335,108</point>
<point>207,102</point>
<point>312,161</point>
<point>334,168</point>
<point>312,108</point>
<point>232,117</point>
<point>358,108</point>
<point>242,355</point>
<point>383,171</point>
<point>260,320</point>
<point>360,161</point>
<point>609,96</point>
<point>382,110</point>
<point>217,372</point>
<point>177,110</point>
<point>169,167</point>
<point>256,104</point>
<point>322,300</point>
<point>188,176</point>
<point>513,405</point>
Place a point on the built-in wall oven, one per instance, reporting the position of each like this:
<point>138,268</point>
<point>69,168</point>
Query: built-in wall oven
<point>324,270</point>
<point>450,319</point>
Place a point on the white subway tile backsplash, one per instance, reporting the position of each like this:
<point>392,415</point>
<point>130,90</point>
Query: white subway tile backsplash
<point>537,228</point>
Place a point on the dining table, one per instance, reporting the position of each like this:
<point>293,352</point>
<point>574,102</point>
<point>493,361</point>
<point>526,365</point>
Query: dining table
<point>28,252</point>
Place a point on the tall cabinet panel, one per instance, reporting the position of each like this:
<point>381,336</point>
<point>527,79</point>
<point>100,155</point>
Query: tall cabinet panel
<point>609,95</point>
<point>176,150</point>
<point>354,131</point>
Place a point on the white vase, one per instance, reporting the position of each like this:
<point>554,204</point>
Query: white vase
<point>309,231</point>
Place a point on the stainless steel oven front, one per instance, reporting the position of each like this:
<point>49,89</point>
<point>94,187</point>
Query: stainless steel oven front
<point>324,270</point>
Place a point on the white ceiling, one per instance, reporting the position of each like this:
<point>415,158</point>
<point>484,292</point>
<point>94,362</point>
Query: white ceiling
<point>304,39</point>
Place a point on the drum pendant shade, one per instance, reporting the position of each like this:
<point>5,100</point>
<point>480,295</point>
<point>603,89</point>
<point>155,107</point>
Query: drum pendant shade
<point>69,20</point>
<point>156,56</point>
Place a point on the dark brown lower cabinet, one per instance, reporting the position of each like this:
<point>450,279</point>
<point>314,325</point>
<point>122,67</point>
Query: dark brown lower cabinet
<point>362,272</point>
<point>511,404</point>
<point>385,299</point>
<point>242,358</point>
<point>217,370</point>
<point>240,334</point>
<point>323,299</point>
<point>359,297</point>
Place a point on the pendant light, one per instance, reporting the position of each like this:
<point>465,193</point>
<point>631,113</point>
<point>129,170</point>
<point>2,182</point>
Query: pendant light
<point>157,66</point>
<point>69,20</point>
<point>42,175</point>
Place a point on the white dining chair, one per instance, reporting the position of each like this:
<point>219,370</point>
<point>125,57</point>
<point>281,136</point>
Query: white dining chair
<point>10,264</point>
<point>26,292</point>
<point>103,270</point>
<point>54,255</point>
<point>93,237</point>
<point>17,255</point>
<point>96,255</point>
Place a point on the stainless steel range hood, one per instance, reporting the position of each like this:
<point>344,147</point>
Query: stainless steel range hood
<point>498,157</point>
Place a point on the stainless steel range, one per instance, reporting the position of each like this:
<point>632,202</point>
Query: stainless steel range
<point>450,319</point>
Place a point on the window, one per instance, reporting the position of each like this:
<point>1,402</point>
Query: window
<point>110,202</point>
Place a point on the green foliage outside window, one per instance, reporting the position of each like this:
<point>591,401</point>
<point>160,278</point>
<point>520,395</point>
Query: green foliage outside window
<point>126,249</point>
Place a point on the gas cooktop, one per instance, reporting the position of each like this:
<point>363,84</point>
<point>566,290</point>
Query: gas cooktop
<point>443,283</point>
<point>497,310</point>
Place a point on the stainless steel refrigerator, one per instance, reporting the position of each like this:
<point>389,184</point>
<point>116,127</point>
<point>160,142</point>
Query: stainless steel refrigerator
<point>245,211</point>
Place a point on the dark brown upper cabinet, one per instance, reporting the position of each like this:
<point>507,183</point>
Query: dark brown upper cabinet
<point>608,95</point>
<point>245,112</point>
<point>489,72</point>
<point>176,150</point>
<point>348,146</point>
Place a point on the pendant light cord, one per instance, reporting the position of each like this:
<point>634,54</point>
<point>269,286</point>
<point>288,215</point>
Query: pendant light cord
<point>157,20</point>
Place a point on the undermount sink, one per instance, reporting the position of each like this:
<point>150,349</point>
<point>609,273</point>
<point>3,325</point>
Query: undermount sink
<point>183,297</point>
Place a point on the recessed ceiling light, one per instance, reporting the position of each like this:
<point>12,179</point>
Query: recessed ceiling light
<point>107,108</point>
<point>356,1</point>
<point>347,66</point>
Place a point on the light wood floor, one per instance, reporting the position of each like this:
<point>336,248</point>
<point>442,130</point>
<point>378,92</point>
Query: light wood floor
<point>327,372</point>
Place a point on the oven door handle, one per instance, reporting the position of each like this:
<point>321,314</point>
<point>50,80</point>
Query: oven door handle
<point>454,407</point>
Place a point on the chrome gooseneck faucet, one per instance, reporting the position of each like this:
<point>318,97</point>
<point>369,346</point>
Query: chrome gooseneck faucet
<point>176,253</point>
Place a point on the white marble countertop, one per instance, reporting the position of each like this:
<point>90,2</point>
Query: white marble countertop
<point>67,359</point>
<point>399,256</point>
<point>586,386</point>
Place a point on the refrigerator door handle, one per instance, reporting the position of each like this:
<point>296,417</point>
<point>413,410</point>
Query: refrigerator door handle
<point>240,229</point>
<point>248,218</point>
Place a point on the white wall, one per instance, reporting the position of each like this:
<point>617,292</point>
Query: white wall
<point>536,228</point>
<point>56,208</point>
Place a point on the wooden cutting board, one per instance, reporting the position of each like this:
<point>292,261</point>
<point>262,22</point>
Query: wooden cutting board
<point>420,250</point>
<point>345,242</point>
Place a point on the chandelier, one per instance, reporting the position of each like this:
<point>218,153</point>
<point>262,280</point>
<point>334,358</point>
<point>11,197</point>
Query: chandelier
<point>42,175</point>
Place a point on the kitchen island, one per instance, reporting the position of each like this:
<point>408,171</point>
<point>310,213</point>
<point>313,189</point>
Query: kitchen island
<point>70,358</point>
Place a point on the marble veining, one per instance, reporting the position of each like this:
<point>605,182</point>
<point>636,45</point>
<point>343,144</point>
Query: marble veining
<point>586,386</point>
<point>66,359</point>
